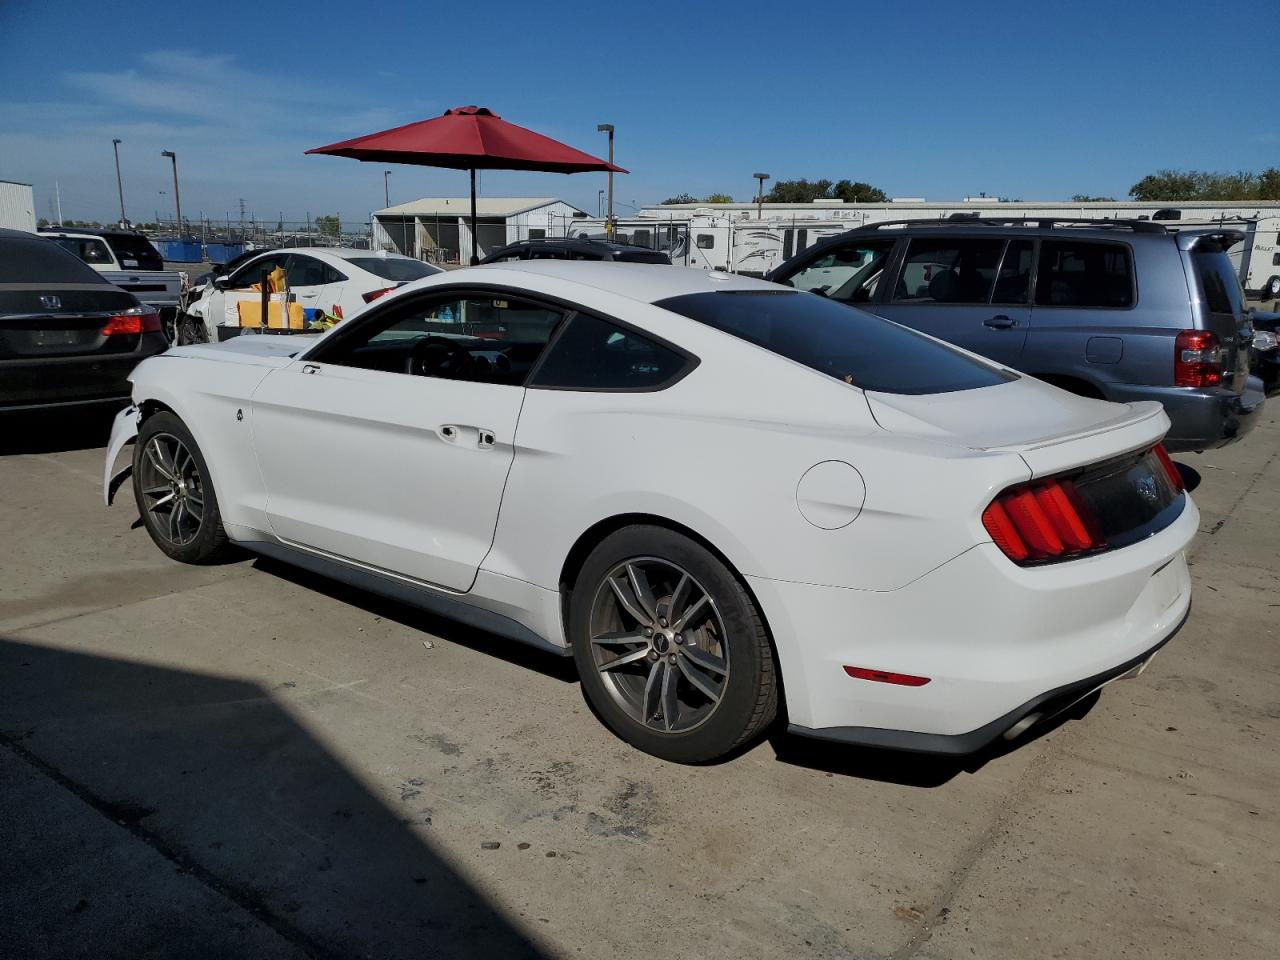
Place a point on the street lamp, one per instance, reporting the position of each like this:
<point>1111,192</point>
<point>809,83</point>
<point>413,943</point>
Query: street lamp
<point>608,128</point>
<point>762,177</point>
<point>386,188</point>
<point>599,202</point>
<point>115,145</point>
<point>177,200</point>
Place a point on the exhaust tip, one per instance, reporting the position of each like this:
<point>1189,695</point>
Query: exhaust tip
<point>1022,726</point>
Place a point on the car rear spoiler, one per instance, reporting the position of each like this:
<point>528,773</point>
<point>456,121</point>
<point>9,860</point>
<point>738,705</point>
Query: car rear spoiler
<point>1190,239</point>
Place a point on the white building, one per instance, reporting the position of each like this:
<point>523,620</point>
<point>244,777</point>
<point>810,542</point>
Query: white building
<point>439,228</point>
<point>17,206</point>
<point>916,208</point>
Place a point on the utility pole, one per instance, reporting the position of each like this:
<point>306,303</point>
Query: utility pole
<point>115,145</point>
<point>58,190</point>
<point>386,188</point>
<point>177,200</point>
<point>608,128</point>
<point>242,218</point>
<point>599,202</point>
<point>762,177</point>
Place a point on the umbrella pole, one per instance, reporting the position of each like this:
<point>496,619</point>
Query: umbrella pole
<point>475,240</point>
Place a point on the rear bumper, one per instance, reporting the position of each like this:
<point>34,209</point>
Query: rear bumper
<point>41,383</point>
<point>1200,419</point>
<point>996,641</point>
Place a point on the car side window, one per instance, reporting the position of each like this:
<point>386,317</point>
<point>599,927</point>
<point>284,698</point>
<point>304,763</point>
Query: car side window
<point>1013,282</point>
<point>306,271</point>
<point>850,272</point>
<point>1082,273</point>
<point>594,354</point>
<point>485,338</point>
<point>948,270</point>
<point>254,272</point>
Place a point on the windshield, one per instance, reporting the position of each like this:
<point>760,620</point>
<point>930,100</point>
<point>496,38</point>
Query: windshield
<point>840,341</point>
<point>397,269</point>
<point>133,252</point>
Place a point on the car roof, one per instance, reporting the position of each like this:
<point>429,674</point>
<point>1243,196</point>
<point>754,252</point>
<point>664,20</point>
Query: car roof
<point>7,234</point>
<point>342,253</point>
<point>643,282</point>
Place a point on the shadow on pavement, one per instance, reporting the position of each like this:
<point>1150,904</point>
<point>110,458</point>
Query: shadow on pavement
<point>57,432</point>
<point>157,812</point>
<point>482,641</point>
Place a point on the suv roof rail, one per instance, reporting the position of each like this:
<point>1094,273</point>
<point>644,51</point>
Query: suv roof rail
<point>1137,226</point>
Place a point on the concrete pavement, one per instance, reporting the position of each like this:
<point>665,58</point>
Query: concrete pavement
<point>249,760</point>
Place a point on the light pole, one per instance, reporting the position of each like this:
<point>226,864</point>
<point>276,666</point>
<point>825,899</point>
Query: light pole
<point>386,188</point>
<point>762,177</point>
<point>177,200</point>
<point>608,224</point>
<point>599,202</point>
<point>115,145</point>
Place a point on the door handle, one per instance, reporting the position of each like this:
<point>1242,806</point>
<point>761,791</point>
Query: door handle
<point>310,368</point>
<point>1000,322</point>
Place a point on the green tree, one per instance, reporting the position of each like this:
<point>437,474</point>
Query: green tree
<point>718,198</point>
<point>1179,185</point>
<point>42,222</point>
<point>329,226</point>
<point>680,198</point>
<point>858,192</point>
<point>806,191</point>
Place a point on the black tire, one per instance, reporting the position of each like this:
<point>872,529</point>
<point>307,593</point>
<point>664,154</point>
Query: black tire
<point>1272,289</point>
<point>748,693</point>
<point>205,542</point>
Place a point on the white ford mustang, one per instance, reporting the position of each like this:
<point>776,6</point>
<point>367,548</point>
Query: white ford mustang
<point>714,493</point>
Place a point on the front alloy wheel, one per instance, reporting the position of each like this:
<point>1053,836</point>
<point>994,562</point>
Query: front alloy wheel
<point>172,488</point>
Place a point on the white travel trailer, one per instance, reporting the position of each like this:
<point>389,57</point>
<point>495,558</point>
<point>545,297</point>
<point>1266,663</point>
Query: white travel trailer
<point>1256,259</point>
<point>706,240</point>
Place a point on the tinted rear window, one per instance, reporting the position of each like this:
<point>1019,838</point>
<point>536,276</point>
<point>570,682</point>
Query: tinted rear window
<point>397,270</point>
<point>42,263</point>
<point>1218,282</point>
<point>134,252</point>
<point>840,341</point>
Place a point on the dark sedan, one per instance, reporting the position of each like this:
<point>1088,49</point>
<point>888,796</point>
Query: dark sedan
<point>67,336</point>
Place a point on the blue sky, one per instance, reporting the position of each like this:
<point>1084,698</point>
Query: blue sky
<point>938,100</point>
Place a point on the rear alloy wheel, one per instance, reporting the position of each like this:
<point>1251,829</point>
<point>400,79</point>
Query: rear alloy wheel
<point>1272,290</point>
<point>670,648</point>
<point>174,496</point>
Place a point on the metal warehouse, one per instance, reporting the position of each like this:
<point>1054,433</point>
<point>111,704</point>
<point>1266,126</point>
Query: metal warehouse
<point>439,229</point>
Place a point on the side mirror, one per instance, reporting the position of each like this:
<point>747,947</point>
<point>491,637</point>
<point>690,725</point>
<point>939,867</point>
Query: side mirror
<point>220,283</point>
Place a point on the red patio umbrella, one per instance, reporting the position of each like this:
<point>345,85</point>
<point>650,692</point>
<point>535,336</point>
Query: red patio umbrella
<point>468,138</point>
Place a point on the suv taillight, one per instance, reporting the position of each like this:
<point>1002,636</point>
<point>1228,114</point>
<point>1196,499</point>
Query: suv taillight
<point>1197,359</point>
<point>133,322</point>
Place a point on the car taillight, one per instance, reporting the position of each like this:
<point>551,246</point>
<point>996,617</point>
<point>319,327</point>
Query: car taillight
<point>373,295</point>
<point>1197,359</point>
<point>132,322</point>
<point>1170,468</point>
<point>1042,520</point>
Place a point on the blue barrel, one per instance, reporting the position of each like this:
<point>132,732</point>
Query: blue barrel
<point>223,252</point>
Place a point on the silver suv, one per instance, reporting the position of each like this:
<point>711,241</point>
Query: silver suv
<point>1121,310</point>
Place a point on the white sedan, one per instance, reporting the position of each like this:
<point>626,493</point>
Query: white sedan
<point>722,497</point>
<point>336,280</point>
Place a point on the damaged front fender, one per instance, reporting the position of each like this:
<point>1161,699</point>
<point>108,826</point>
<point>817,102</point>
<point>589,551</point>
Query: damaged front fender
<point>124,431</point>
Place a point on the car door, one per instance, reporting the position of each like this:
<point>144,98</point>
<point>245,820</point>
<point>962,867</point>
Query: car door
<point>224,302</point>
<point>970,291</point>
<point>312,282</point>
<point>849,272</point>
<point>390,443</point>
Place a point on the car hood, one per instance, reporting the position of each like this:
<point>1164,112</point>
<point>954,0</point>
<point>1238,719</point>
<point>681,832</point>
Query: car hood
<point>249,348</point>
<point>1050,428</point>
